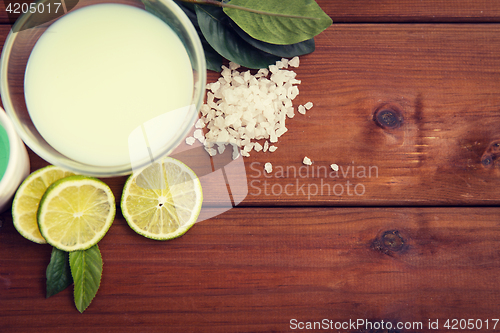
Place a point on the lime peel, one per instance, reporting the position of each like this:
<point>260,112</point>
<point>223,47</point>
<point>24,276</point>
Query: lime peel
<point>163,201</point>
<point>27,199</point>
<point>76,212</point>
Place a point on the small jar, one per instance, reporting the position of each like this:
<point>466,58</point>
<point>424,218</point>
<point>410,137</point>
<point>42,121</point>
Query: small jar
<point>18,166</point>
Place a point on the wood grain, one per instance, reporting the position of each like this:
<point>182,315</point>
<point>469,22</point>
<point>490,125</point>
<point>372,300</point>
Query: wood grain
<point>442,79</point>
<point>444,82</point>
<point>363,11</point>
<point>255,269</point>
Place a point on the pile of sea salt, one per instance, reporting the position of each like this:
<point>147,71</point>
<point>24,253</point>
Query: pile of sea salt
<point>243,109</point>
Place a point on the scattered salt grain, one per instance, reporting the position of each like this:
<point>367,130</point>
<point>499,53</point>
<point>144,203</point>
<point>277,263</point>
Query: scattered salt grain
<point>221,148</point>
<point>301,109</point>
<point>334,167</point>
<point>308,105</point>
<point>294,62</point>
<point>211,151</point>
<point>198,134</point>
<point>199,123</point>
<point>307,161</point>
<point>272,149</point>
<point>268,167</point>
<point>266,146</point>
<point>190,140</point>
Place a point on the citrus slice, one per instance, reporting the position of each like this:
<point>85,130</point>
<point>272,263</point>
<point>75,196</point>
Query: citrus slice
<point>162,201</point>
<point>76,212</point>
<point>27,198</point>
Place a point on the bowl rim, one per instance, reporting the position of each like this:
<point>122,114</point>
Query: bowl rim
<point>106,171</point>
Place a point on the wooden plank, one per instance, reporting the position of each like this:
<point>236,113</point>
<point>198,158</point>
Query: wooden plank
<point>443,80</point>
<point>255,269</point>
<point>362,11</point>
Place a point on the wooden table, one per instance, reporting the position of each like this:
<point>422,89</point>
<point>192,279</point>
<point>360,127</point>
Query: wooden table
<point>419,244</point>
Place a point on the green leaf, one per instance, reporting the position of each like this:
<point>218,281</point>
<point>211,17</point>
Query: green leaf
<point>287,51</point>
<point>58,272</point>
<point>86,269</point>
<point>215,27</point>
<point>269,22</point>
<point>213,59</point>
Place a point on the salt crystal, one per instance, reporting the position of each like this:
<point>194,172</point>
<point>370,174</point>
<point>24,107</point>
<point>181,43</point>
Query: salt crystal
<point>239,79</point>
<point>199,123</point>
<point>233,65</point>
<point>198,134</point>
<point>307,161</point>
<point>215,86</point>
<point>257,147</point>
<point>308,105</point>
<point>334,167</point>
<point>236,152</point>
<point>272,149</point>
<point>268,167</point>
<point>294,62</point>
<point>301,109</point>
<point>190,140</point>
<point>273,69</point>
<point>211,151</point>
<point>280,131</point>
<point>266,146</point>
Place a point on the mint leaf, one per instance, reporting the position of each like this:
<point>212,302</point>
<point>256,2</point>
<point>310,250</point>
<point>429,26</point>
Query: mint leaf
<point>215,26</point>
<point>58,272</point>
<point>278,21</point>
<point>86,269</point>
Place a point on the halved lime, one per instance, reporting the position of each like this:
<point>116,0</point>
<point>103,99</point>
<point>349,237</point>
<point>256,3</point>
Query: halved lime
<point>162,201</point>
<point>27,198</point>
<point>76,212</point>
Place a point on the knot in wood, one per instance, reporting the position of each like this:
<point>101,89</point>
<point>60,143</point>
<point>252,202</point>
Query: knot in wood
<point>491,154</point>
<point>388,117</point>
<point>389,242</point>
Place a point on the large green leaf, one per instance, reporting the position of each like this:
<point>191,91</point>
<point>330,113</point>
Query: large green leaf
<point>58,272</point>
<point>285,24</point>
<point>287,51</point>
<point>86,269</point>
<point>215,27</point>
<point>213,59</point>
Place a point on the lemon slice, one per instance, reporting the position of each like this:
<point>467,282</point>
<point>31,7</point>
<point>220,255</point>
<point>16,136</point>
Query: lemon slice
<point>27,198</point>
<point>76,212</point>
<point>162,201</point>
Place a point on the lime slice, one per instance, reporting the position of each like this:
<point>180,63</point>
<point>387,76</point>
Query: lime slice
<point>76,212</point>
<point>27,198</point>
<point>162,201</point>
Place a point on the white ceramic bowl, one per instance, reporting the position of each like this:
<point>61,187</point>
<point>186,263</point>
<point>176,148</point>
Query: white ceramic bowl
<point>18,167</point>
